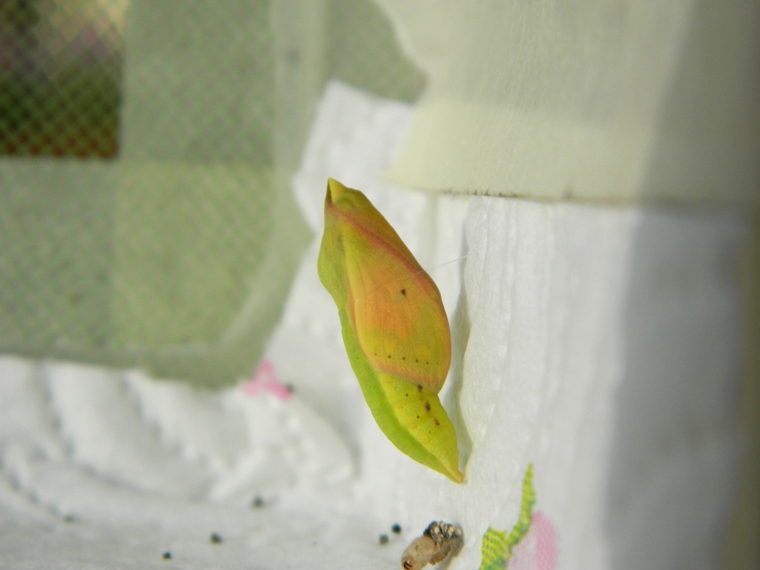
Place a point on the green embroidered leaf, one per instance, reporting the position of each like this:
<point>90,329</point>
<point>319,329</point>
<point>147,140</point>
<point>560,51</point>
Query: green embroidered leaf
<point>494,548</point>
<point>497,546</point>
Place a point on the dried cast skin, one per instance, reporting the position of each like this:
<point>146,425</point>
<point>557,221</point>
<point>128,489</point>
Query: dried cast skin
<point>439,541</point>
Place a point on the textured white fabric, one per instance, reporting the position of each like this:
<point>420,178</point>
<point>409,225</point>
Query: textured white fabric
<point>597,343</point>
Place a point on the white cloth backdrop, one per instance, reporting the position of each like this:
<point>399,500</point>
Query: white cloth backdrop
<point>598,343</point>
<point>604,100</point>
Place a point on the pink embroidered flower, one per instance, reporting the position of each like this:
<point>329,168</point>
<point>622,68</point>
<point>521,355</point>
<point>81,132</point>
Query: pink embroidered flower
<point>265,378</point>
<point>538,549</point>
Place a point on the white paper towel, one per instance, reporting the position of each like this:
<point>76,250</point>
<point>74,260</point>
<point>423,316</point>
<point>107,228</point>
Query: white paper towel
<point>597,343</point>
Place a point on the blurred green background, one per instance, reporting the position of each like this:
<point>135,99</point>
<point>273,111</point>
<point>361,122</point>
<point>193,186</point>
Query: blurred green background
<point>145,155</point>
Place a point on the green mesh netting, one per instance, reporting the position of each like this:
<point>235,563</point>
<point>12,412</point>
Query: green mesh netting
<point>60,65</point>
<point>175,253</point>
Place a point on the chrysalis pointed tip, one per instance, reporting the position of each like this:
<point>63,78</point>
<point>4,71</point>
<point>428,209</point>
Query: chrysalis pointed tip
<point>334,190</point>
<point>457,477</point>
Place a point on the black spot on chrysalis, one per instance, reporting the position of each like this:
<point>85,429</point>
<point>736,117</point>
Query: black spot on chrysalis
<point>427,406</point>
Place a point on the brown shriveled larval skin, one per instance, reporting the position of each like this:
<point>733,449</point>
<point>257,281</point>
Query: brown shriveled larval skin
<point>418,554</point>
<point>439,541</point>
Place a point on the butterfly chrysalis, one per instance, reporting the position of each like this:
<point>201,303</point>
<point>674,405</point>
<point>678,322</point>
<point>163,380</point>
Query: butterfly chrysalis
<point>394,327</point>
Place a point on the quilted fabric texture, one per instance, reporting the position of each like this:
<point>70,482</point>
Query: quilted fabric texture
<point>598,344</point>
